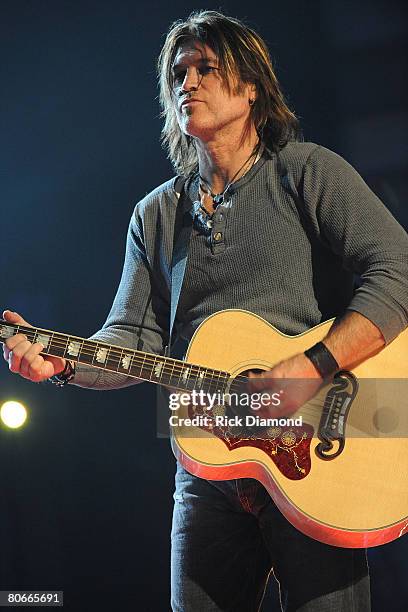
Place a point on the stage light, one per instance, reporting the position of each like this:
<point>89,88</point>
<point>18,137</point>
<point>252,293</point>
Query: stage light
<point>13,414</point>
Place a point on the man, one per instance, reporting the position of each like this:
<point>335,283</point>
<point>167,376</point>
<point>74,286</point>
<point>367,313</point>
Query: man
<point>230,133</point>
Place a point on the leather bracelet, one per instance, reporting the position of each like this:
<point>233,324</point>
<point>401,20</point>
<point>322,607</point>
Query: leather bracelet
<point>64,377</point>
<point>323,360</point>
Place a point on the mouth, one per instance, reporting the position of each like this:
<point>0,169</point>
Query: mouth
<point>188,101</point>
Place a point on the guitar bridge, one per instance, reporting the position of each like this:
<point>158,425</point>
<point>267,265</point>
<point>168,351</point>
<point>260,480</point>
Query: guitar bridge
<point>333,421</point>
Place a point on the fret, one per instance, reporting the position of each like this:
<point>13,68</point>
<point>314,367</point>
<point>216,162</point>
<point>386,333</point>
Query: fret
<point>151,369</point>
<point>135,368</point>
<point>120,360</point>
<point>165,376</point>
<point>146,366</point>
<point>172,373</point>
<point>93,349</point>
<point>213,383</point>
<point>206,382</point>
<point>221,387</point>
<point>81,351</point>
<point>209,382</point>
<point>49,344</point>
<point>190,382</point>
<point>30,334</point>
<point>112,359</point>
<point>108,350</point>
<point>130,362</point>
<point>200,378</point>
<point>57,345</point>
<point>218,381</point>
<point>142,366</point>
<point>85,351</point>
<point>43,339</point>
<point>210,387</point>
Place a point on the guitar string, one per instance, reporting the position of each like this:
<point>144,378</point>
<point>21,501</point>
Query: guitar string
<point>116,354</point>
<point>90,348</point>
<point>93,345</point>
<point>313,406</point>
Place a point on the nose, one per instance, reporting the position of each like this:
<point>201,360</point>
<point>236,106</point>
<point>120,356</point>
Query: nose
<point>191,80</point>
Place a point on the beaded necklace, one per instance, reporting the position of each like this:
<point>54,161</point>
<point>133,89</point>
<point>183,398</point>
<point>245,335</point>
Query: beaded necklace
<point>218,198</point>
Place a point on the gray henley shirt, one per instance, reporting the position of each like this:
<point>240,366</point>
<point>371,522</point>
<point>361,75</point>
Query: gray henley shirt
<point>295,268</point>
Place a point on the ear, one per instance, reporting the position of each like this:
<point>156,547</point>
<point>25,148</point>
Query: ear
<point>251,91</point>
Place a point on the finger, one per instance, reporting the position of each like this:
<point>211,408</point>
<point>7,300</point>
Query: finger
<point>259,382</point>
<point>39,369</point>
<point>13,341</point>
<point>17,354</point>
<point>28,358</point>
<point>14,317</point>
<point>253,381</point>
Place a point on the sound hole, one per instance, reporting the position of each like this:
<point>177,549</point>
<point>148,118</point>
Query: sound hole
<point>238,404</point>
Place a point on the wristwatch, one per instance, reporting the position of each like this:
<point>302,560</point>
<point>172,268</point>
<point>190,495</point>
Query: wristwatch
<point>64,377</point>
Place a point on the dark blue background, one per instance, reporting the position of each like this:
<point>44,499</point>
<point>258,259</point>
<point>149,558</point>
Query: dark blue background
<point>85,487</point>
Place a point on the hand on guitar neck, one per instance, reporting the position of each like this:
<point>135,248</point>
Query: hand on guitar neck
<point>24,358</point>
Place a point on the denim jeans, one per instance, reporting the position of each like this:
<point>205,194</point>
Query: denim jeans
<point>228,537</point>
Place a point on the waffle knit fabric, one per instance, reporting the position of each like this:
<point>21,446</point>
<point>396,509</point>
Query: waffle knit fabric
<point>295,268</point>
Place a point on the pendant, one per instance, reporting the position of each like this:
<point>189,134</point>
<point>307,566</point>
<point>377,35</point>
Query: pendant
<point>202,221</point>
<point>218,199</point>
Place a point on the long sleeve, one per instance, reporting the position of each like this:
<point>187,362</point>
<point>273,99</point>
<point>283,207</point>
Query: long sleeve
<point>355,224</point>
<point>138,317</point>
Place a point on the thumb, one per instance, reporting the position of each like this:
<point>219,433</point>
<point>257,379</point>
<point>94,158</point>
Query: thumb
<point>14,317</point>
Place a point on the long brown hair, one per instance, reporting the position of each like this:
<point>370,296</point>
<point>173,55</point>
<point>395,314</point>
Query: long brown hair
<point>241,54</point>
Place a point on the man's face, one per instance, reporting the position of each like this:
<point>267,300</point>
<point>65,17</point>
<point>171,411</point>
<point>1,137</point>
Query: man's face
<point>203,103</point>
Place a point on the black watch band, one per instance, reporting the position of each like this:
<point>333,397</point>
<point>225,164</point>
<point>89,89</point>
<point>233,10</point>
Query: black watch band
<point>323,360</point>
<point>64,377</point>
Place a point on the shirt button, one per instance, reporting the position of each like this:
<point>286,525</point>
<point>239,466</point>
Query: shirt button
<point>217,236</point>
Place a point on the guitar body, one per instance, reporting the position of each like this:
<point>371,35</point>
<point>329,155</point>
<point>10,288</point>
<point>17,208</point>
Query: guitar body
<point>359,498</point>
<point>337,472</point>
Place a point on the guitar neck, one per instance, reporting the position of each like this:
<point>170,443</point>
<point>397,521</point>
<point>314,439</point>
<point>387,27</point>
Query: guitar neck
<point>160,370</point>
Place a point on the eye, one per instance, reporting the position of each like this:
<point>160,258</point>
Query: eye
<point>180,74</point>
<point>207,69</point>
<point>178,77</point>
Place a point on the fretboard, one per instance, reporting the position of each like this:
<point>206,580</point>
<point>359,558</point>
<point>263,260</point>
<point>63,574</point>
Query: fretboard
<point>138,364</point>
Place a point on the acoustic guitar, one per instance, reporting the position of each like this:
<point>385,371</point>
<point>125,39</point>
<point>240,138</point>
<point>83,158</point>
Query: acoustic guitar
<point>336,469</point>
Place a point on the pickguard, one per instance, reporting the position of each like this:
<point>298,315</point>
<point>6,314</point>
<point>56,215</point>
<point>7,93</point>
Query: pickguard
<point>288,447</point>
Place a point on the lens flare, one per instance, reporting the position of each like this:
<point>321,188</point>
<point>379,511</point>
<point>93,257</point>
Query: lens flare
<point>13,414</point>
